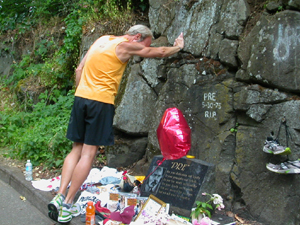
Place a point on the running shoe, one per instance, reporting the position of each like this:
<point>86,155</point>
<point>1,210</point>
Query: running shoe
<point>273,147</point>
<point>67,212</point>
<point>289,167</point>
<point>55,205</point>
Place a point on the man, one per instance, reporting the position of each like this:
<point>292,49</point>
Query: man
<point>154,180</point>
<point>97,80</point>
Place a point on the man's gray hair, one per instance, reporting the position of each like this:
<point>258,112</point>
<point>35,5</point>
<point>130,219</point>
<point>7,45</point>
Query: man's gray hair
<point>140,29</point>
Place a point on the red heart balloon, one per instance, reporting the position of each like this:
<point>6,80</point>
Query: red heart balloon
<point>174,134</point>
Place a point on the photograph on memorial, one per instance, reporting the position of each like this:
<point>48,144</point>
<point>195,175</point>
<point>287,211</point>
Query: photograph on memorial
<point>152,183</point>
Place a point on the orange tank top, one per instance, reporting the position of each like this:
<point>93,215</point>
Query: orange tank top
<point>102,71</point>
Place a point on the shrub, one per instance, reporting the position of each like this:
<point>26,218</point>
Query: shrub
<point>38,135</point>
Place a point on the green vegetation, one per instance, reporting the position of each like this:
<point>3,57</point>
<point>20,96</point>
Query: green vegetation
<point>33,130</point>
<point>38,135</point>
<point>234,129</point>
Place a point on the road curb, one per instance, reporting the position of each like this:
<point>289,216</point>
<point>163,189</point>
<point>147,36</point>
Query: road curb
<point>40,199</point>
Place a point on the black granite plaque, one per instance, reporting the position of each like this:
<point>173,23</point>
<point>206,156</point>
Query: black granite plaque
<point>176,182</point>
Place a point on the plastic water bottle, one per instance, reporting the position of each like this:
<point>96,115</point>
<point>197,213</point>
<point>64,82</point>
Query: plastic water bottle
<point>28,172</point>
<point>90,214</point>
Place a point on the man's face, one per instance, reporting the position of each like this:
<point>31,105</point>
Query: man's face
<point>146,42</point>
<point>154,178</point>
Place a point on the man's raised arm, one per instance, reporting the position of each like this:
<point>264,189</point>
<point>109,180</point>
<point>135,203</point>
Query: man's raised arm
<point>142,48</point>
<point>161,52</point>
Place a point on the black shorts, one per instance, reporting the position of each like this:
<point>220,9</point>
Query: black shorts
<point>91,122</point>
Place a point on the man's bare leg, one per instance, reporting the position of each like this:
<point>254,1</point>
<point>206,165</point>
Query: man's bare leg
<point>81,170</point>
<point>67,172</point>
<point>69,165</point>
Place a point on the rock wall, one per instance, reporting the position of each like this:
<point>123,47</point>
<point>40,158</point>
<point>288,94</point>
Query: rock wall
<point>234,81</point>
<point>229,75</point>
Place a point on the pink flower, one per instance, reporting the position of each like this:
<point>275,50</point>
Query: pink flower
<point>221,206</point>
<point>204,193</point>
<point>195,222</point>
<point>205,221</point>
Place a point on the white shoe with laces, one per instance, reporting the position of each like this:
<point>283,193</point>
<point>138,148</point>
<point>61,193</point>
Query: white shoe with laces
<point>68,211</point>
<point>55,205</point>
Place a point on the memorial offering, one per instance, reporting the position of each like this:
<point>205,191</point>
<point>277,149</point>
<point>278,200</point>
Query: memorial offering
<point>151,208</point>
<point>177,182</point>
<point>140,204</point>
<point>174,134</point>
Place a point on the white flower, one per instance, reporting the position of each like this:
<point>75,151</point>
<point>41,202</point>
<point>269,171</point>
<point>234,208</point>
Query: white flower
<point>218,200</point>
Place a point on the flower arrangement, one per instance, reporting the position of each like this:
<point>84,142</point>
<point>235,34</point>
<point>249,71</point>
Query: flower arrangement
<point>206,207</point>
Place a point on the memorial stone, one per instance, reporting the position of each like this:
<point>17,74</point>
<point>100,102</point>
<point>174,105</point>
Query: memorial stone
<point>177,182</point>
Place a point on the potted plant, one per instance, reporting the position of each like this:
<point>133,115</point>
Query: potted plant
<point>204,209</point>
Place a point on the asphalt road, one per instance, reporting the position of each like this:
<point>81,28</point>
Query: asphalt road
<point>14,211</point>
